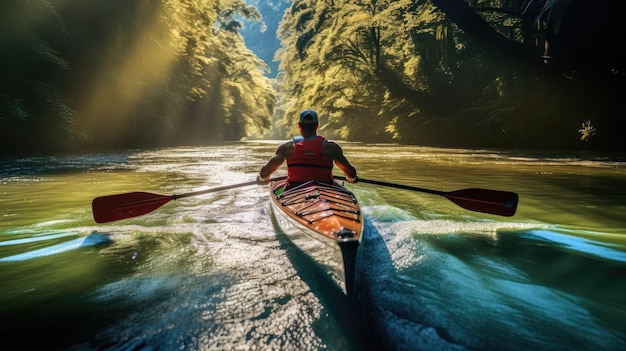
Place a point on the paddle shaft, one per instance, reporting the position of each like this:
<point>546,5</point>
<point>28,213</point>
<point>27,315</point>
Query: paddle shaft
<point>502,203</point>
<point>393,185</point>
<point>221,188</point>
<point>212,190</point>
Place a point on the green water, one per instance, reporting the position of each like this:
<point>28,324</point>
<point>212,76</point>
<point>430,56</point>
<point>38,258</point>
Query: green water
<point>209,272</point>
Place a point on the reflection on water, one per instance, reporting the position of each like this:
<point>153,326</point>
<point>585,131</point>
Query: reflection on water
<point>83,241</point>
<point>583,191</point>
<point>210,272</point>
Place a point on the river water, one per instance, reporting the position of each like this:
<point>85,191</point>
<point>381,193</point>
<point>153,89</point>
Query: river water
<point>211,272</point>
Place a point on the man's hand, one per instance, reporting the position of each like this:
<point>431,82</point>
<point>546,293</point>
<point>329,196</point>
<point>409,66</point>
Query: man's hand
<point>262,181</point>
<point>352,180</point>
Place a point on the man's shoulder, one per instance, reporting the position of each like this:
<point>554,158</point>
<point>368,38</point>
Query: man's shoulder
<point>288,144</point>
<point>332,148</point>
<point>331,143</point>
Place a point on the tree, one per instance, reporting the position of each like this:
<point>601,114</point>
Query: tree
<point>128,74</point>
<point>447,73</point>
<point>33,111</point>
<point>558,45</point>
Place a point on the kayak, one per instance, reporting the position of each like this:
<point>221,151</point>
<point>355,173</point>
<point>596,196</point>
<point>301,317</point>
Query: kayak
<point>325,222</point>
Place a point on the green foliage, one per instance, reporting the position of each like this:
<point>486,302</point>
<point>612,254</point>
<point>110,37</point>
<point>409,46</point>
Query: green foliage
<point>587,130</point>
<point>104,74</point>
<point>96,74</point>
<point>33,112</point>
<point>445,72</point>
<point>339,60</point>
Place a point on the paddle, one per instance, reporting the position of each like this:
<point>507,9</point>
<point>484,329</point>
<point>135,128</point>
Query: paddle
<point>121,206</point>
<point>502,203</point>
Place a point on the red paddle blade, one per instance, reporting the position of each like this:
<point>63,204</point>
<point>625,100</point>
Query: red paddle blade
<point>115,207</point>
<point>502,203</point>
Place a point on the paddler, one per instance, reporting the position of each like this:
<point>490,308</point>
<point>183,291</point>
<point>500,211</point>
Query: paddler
<point>309,156</point>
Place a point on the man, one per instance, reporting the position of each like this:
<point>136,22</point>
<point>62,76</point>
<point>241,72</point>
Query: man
<point>309,156</point>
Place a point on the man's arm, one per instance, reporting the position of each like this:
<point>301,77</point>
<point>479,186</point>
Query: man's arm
<point>273,164</point>
<point>342,162</point>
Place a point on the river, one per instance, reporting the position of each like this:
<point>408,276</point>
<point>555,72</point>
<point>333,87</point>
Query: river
<point>210,272</point>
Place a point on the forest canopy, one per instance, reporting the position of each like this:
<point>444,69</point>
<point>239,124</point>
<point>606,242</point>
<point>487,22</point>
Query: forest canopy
<point>92,75</point>
<point>109,74</point>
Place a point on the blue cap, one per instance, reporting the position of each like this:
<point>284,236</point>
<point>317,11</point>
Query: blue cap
<point>308,117</point>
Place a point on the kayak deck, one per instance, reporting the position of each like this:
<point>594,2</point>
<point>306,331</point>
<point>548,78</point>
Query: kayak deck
<point>329,210</point>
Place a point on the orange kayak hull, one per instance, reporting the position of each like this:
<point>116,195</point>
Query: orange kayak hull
<point>326,223</point>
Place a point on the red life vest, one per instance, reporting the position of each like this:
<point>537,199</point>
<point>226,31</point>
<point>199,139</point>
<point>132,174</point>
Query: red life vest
<point>308,161</point>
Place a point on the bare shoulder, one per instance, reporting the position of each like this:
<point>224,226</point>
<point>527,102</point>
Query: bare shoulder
<point>286,148</point>
<point>333,150</point>
<point>332,146</point>
<point>287,144</point>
